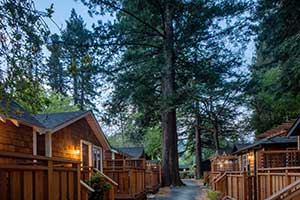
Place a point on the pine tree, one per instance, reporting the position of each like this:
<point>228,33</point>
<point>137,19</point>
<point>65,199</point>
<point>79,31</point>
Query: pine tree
<point>81,69</point>
<point>56,73</point>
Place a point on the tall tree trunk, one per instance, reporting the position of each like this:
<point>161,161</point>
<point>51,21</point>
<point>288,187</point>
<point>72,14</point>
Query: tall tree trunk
<point>216,138</point>
<point>170,151</point>
<point>75,89</point>
<point>82,94</point>
<point>198,148</point>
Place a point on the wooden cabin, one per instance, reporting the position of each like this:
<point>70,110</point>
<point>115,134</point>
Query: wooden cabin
<point>136,176</point>
<point>113,154</point>
<point>267,169</point>
<point>46,156</point>
<point>128,171</point>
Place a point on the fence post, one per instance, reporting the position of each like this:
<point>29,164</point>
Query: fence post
<point>269,191</point>
<point>77,181</point>
<point>50,180</point>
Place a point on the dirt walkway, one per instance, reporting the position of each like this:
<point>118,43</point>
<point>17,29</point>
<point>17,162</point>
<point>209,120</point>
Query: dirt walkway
<point>192,191</point>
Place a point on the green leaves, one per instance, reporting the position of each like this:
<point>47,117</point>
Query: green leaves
<point>275,76</point>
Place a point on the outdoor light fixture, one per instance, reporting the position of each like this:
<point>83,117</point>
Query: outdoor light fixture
<point>76,151</point>
<point>250,156</point>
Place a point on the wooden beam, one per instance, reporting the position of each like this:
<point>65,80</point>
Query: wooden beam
<point>48,144</point>
<point>34,141</point>
<point>15,122</point>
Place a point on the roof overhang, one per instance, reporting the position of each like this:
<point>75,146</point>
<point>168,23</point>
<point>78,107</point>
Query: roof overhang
<point>16,122</point>
<point>291,131</point>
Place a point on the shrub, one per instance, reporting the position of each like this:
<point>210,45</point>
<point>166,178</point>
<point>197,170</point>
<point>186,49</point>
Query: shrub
<point>98,183</point>
<point>213,195</point>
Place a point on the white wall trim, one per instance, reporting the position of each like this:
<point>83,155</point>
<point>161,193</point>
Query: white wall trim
<point>48,144</point>
<point>34,142</point>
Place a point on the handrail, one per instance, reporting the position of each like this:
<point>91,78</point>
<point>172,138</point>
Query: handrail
<point>277,168</point>
<point>105,176</point>
<point>220,177</point>
<point>33,157</point>
<point>284,190</point>
<point>218,174</point>
<point>86,186</point>
<point>280,151</point>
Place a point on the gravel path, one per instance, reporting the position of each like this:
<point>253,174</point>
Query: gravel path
<point>192,191</point>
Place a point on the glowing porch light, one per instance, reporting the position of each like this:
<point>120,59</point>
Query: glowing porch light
<point>76,151</point>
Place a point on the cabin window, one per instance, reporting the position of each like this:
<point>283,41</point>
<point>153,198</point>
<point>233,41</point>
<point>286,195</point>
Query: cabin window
<point>244,162</point>
<point>40,144</point>
<point>97,157</point>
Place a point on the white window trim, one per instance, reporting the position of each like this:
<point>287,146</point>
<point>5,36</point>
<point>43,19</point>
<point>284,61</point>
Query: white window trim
<point>90,155</point>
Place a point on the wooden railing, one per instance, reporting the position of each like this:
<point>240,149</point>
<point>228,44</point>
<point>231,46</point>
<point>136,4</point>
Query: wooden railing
<point>25,176</point>
<point>222,163</point>
<point>272,180</point>
<point>130,176</point>
<point>125,163</point>
<point>289,191</point>
<point>153,177</point>
<point>284,158</point>
<point>235,185</point>
<point>86,173</point>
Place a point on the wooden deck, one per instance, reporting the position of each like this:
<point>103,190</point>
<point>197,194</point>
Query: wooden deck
<point>35,177</point>
<point>27,177</point>
<point>130,176</point>
<point>277,176</point>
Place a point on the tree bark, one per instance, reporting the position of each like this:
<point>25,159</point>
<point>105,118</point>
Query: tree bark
<point>198,148</point>
<point>216,138</point>
<point>170,152</point>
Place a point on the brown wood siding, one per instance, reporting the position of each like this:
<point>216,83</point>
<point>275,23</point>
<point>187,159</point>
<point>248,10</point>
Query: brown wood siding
<point>67,140</point>
<point>15,139</point>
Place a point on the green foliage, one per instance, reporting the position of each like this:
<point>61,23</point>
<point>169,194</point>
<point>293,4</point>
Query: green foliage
<point>213,195</point>
<point>274,86</point>
<point>23,32</point>
<point>152,142</point>
<point>98,183</point>
<point>56,102</point>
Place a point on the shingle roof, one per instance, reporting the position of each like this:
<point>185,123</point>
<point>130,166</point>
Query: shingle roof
<point>272,140</point>
<point>53,120</point>
<point>294,130</point>
<point>281,129</point>
<point>135,152</point>
<point>13,110</point>
<point>238,147</point>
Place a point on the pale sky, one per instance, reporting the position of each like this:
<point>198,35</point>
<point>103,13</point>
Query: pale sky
<point>62,11</point>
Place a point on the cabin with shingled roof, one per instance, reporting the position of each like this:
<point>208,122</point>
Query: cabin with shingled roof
<point>266,169</point>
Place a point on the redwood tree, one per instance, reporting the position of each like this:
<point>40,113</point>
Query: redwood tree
<point>152,43</point>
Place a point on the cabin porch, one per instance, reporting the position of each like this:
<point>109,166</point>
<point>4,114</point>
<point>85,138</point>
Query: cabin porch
<point>130,176</point>
<point>276,176</point>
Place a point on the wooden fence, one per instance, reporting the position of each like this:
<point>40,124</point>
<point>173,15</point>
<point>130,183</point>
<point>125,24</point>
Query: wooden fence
<point>29,177</point>
<point>272,180</point>
<point>130,176</point>
<point>153,177</point>
<point>236,185</point>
